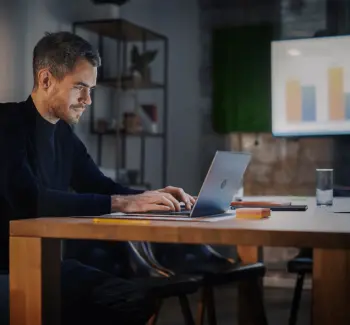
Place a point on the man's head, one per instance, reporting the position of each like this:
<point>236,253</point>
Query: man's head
<point>65,71</point>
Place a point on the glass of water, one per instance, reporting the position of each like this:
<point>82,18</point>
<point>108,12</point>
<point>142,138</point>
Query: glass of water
<point>324,187</point>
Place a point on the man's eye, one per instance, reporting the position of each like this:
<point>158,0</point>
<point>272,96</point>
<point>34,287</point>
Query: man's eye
<point>78,87</point>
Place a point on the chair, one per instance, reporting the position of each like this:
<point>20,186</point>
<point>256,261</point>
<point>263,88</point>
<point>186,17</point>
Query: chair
<point>123,260</point>
<point>203,260</point>
<point>301,265</point>
<point>4,298</point>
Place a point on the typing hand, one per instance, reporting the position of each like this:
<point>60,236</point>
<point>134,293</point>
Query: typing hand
<point>180,195</point>
<point>147,201</point>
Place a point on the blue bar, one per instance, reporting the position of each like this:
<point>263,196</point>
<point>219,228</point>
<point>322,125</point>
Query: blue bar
<point>347,106</point>
<point>308,103</point>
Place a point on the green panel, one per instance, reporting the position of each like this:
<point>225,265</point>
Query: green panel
<point>242,79</point>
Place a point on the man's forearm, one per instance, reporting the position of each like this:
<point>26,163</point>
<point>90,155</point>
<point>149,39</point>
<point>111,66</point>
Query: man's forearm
<point>71,204</point>
<point>46,202</point>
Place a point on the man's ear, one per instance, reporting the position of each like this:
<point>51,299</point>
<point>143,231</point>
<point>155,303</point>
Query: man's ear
<point>45,79</point>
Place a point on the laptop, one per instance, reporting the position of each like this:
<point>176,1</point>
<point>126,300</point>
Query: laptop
<point>222,181</point>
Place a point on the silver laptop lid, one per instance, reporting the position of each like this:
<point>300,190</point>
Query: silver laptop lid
<point>223,180</point>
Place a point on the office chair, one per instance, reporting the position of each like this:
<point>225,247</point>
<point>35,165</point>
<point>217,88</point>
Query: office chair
<point>4,298</point>
<point>300,265</point>
<point>203,260</point>
<point>122,259</point>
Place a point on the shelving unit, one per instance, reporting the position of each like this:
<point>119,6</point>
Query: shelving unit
<point>123,33</point>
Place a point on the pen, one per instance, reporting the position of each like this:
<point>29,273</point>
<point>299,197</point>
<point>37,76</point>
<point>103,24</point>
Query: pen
<point>120,221</point>
<point>341,212</point>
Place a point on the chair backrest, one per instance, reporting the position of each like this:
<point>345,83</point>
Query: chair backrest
<point>176,256</point>
<point>4,299</point>
<point>139,266</point>
<point>119,258</point>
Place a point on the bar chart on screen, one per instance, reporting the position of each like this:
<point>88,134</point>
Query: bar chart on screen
<point>300,102</point>
<point>310,86</point>
<point>338,99</point>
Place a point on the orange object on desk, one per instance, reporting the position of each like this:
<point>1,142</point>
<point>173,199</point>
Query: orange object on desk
<point>252,213</point>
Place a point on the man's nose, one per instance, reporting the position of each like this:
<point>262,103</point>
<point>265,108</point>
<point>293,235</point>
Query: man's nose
<point>86,98</point>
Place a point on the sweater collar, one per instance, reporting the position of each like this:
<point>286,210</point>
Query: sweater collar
<point>43,127</point>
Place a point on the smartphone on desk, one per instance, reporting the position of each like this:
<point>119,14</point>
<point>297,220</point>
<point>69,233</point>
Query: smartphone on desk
<point>291,207</point>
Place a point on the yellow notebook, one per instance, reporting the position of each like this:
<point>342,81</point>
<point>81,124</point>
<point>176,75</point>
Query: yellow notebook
<point>252,213</point>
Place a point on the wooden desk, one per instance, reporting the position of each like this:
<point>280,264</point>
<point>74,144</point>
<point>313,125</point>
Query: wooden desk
<point>35,255</point>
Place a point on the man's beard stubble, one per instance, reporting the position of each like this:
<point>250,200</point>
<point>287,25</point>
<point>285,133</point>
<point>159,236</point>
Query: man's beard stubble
<point>61,111</point>
<point>76,110</point>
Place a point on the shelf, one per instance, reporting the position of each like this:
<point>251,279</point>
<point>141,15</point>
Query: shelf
<point>123,133</point>
<point>120,29</point>
<point>124,34</point>
<point>128,84</point>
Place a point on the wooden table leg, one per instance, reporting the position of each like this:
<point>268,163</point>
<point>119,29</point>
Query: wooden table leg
<point>251,310</point>
<point>34,281</point>
<point>331,287</point>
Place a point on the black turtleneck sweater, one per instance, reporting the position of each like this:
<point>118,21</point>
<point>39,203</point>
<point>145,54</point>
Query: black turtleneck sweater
<point>45,170</point>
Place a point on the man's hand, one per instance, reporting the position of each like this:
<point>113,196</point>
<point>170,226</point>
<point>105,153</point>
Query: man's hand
<point>147,201</point>
<point>180,195</point>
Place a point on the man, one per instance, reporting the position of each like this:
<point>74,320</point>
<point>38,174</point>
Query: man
<point>42,159</point>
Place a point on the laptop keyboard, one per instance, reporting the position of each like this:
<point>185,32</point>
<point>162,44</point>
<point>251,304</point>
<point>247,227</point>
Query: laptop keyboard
<point>183,211</point>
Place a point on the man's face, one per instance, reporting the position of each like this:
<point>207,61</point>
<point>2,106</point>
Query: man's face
<point>67,99</point>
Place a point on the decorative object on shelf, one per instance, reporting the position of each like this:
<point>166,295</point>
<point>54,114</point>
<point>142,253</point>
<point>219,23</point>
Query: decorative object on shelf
<point>133,176</point>
<point>114,124</point>
<point>132,123</point>
<point>101,125</point>
<point>127,113</point>
<point>131,113</point>
<point>149,117</point>
<point>140,63</point>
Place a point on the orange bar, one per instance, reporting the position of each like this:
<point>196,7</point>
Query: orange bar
<point>293,100</point>
<point>336,94</point>
<point>252,213</point>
